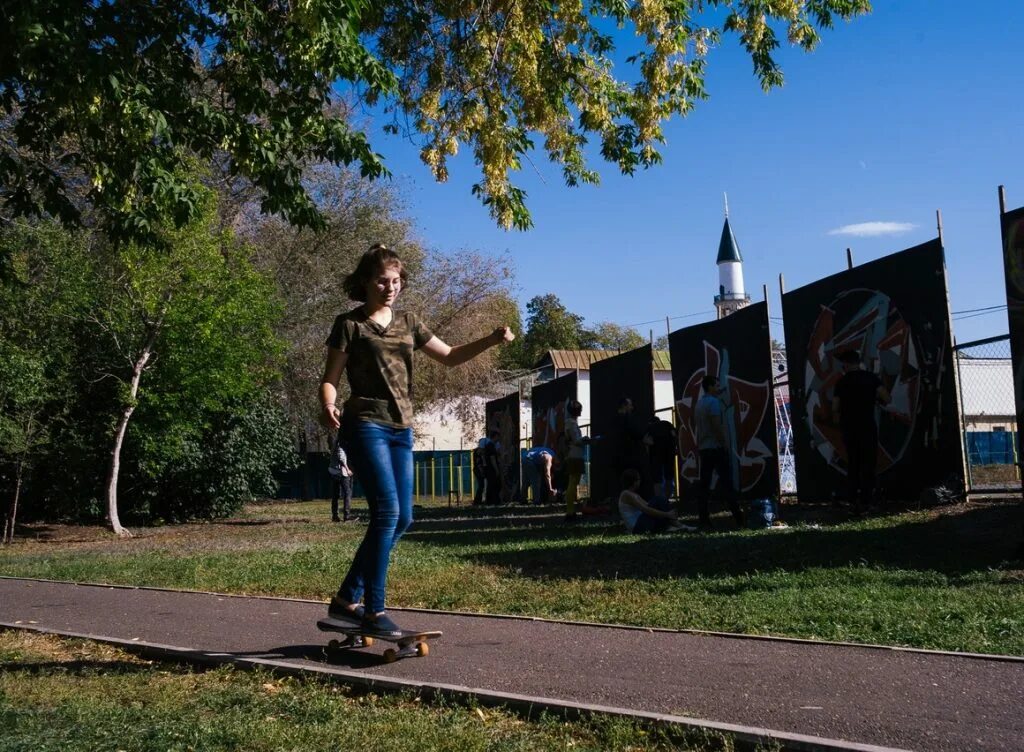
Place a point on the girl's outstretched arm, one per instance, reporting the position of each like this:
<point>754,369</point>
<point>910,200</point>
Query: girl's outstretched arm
<point>459,354</point>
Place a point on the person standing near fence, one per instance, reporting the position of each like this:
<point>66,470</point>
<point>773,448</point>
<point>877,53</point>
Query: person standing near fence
<point>855,401</point>
<point>341,475</point>
<point>479,476</point>
<point>373,346</point>
<point>574,465</point>
<point>710,418</point>
<point>492,469</point>
<point>662,451</point>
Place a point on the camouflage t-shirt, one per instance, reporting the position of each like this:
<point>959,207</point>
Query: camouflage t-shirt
<point>379,366</point>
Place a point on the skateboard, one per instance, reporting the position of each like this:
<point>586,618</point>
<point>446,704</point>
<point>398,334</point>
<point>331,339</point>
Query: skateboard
<point>408,644</point>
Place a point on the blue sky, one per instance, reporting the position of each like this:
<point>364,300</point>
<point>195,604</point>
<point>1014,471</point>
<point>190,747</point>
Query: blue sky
<point>913,108</point>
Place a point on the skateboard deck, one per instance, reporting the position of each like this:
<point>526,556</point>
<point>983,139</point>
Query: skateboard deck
<point>409,643</point>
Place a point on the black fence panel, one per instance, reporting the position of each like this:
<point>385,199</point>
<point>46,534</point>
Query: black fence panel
<point>895,311</point>
<point>502,415</point>
<point>620,443</point>
<point>737,349</point>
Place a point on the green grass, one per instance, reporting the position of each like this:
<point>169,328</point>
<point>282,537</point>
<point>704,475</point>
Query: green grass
<point>944,579</point>
<point>66,695</point>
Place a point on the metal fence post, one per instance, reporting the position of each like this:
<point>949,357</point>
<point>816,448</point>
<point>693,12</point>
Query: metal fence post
<point>963,420</point>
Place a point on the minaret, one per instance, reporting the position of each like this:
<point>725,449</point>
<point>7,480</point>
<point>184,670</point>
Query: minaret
<point>731,294</point>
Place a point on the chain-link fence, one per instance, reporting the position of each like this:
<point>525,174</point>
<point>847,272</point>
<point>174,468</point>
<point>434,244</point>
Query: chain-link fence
<point>991,445</point>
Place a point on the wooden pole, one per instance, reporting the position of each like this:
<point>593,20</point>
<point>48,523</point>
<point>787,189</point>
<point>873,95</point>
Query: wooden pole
<point>1002,199</point>
<point>768,311</point>
<point>849,258</point>
<point>938,222</point>
<point>668,327</point>
<point>782,285</point>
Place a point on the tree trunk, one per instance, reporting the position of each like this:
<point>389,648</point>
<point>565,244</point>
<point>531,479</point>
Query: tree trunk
<point>113,520</point>
<point>12,510</point>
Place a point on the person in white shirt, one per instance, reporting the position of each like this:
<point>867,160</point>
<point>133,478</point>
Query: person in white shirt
<point>342,477</point>
<point>640,516</point>
<point>574,462</point>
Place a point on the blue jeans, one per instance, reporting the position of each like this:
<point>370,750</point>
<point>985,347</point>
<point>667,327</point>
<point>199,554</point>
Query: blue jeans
<point>381,458</point>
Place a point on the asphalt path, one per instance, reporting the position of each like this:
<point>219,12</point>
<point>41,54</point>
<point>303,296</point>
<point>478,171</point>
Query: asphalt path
<point>873,696</point>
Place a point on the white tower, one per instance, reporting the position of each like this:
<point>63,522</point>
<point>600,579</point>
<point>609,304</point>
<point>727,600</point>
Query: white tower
<point>731,294</point>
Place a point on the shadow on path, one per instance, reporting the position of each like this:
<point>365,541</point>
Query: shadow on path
<point>358,658</point>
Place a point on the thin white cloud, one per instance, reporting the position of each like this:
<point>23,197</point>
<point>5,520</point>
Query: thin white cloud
<point>873,229</point>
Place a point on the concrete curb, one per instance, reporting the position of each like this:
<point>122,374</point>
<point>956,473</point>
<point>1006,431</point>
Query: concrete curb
<point>596,625</point>
<point>745,737</point>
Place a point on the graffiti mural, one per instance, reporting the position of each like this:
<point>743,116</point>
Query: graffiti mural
<point>502,415</point>
<point>895,312</point>
<point>869,323</point>
<point>548,401</point>
<point>736,349</point>
<point>629,374</point>
<point>1013,264</point>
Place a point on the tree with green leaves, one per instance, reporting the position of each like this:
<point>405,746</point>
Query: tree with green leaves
<point>549,326</point>
<point>45,291</point>
<point>200,311</point>
<point>609,336</point>
<point>110,99</point>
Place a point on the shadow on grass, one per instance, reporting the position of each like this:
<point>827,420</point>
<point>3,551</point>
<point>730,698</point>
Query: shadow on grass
<point>73,668</point>
<point>953,542</point>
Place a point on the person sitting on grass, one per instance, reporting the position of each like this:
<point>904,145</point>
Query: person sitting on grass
<point>640,516</point>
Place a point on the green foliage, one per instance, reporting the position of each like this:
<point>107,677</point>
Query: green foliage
<point>210,314</point>
<point>118,95</point>
<point>46,293</point>
<point>208,471</point>
<point>549,326</point>
<point>609,336</point>
<point>108,99</point>
<point>205,435</point>
<point>69,695</point>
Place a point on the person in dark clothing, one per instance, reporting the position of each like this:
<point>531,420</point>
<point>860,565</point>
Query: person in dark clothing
<point>854,403</point>
<point>715,454</point>
<point>662,451</point>
<point>341,476</point>
<point>479,475</point>
<point>628,447</point>
<point>492,471</point>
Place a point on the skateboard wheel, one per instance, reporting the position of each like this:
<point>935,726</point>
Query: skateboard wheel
<point>334,645</point>
<point>422,649</point>
<point>390,655</point>
<point>367,641</point>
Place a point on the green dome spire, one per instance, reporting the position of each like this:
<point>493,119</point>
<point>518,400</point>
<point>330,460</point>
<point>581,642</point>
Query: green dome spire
<point>728,248</point>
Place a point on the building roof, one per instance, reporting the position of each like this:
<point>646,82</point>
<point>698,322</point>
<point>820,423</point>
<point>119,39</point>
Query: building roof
<point>728,248</point>
<point>570,360</point>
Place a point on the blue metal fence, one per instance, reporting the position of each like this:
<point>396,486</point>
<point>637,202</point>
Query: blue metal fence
<point>992,447</point>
